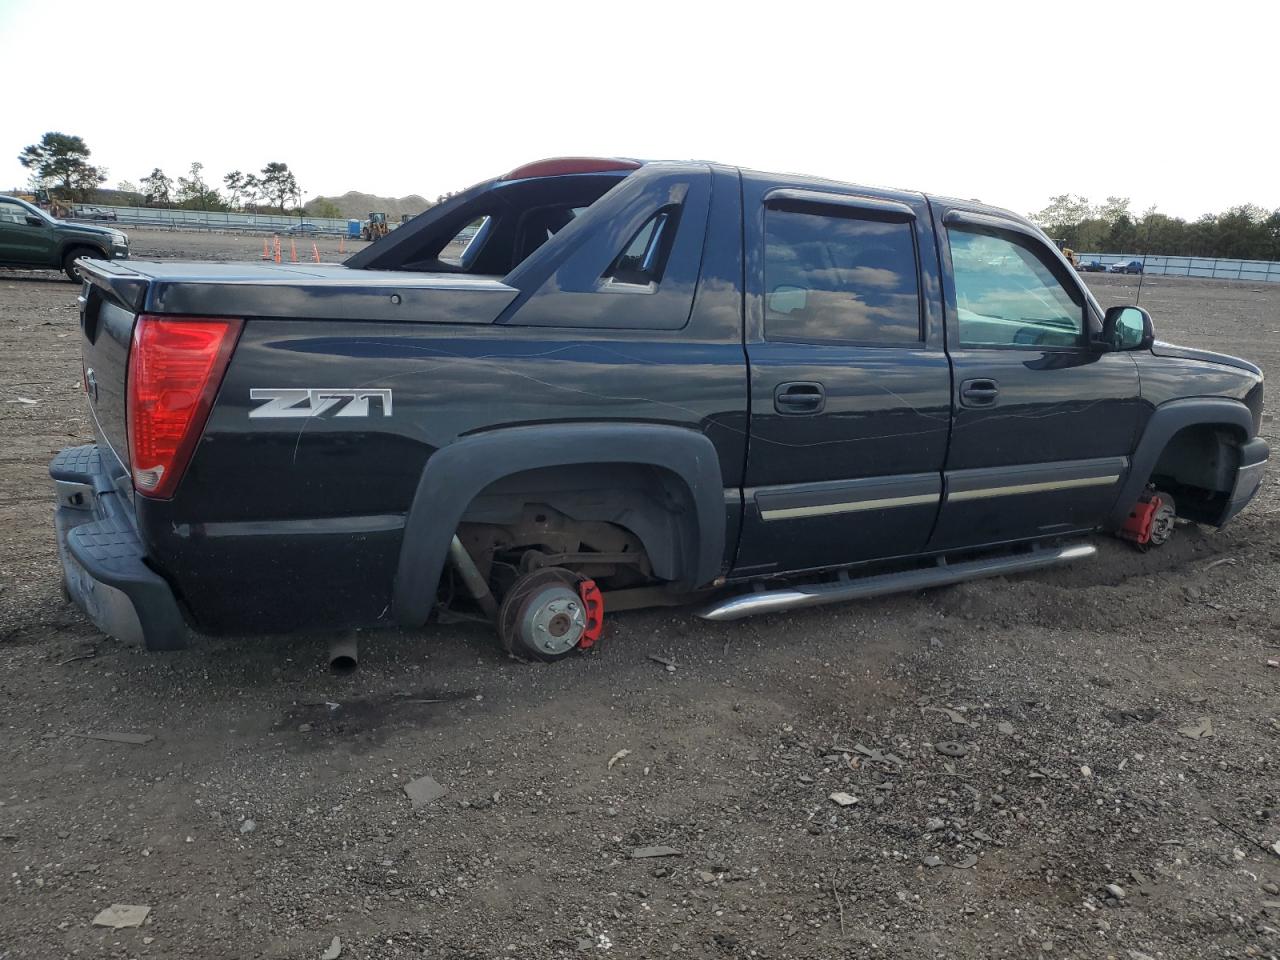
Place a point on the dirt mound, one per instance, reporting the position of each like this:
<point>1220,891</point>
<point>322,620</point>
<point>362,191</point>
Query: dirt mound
<point>360,205</point>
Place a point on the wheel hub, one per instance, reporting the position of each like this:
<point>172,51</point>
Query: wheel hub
<point>554,620</point>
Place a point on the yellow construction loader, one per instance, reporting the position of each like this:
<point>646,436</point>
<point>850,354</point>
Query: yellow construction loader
<point>375,227</point>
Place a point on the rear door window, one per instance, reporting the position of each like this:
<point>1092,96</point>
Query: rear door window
<point>845,278</point>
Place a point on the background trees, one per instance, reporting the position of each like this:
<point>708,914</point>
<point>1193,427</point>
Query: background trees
<point>60,162</point>
<point>1245,232</point>
<point>157,188</point>
<point>279,186</point>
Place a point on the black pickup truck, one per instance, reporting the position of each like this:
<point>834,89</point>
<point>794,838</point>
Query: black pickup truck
<point>597,382</point>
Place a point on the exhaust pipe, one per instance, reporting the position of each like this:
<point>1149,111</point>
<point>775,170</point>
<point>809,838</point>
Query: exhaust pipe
<point>847,588</point>
<point>471,578</point>
<point>344,653</point>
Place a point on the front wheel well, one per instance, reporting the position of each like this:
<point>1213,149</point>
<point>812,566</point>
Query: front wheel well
<point>73,252</point>
<point>82,248</point>
<point>1198,466</point>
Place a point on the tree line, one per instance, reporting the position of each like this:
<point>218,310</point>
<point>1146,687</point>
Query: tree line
<point>1245,232</point>
<point>60,165</point>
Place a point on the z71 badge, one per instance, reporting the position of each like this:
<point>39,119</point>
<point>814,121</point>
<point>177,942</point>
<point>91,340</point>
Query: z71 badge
<point>294,402</point>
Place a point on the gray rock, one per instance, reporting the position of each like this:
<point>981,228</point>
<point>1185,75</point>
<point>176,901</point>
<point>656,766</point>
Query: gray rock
<point>423,791</point>
<point>1116,890</point>
<point>644,853</point>
<point>334,951</point>
<point>121,915</point>
<point>932,860</point>
<point>114,736</point>
<point>934,824</point>
<point>249,826</point>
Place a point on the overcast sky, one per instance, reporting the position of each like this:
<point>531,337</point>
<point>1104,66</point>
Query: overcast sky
<point>1008,103</point>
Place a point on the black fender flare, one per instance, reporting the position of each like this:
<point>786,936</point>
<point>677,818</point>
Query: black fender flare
<point>456,473</point>
<point>1167,420</point>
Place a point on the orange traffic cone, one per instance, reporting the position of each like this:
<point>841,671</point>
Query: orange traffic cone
<point>278,257</point>
<point>293,250</point>
<point>315,252</point>
<point>266,250</point>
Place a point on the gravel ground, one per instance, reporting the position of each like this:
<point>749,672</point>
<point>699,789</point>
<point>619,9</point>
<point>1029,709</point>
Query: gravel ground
<point>1017,747</point>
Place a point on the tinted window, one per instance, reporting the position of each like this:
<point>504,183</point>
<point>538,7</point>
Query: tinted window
<point>1007,296</point>
<point>12,212</point>
<point>839,278</point>
<point>644,257</point>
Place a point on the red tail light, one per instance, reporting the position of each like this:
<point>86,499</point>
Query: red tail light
<point>175,367</point>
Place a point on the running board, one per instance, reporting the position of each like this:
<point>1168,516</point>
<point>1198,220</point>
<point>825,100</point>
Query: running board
<point>846,588</point>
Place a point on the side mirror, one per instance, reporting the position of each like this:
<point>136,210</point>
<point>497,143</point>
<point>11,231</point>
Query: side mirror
<point>34,221</point>
<point>1127,328</point>
<point>786,298</point>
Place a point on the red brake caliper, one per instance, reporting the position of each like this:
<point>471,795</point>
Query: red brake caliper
<point>1138,527</point>
<point>593,606</point>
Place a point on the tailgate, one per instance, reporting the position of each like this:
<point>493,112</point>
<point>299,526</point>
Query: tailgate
<point>116,293</point>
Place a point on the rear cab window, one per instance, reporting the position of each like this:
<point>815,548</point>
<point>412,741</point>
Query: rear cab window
<point>492,228</point>
<point>841,275</point>
<point>615,248</point>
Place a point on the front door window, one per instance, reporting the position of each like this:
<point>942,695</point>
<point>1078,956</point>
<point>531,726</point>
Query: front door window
<point>1006,296</point>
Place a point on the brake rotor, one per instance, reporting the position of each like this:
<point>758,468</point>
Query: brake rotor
<point>1162,520</point>
<point>542,615</point>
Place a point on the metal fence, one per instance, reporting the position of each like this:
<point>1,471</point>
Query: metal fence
<point>167,219</point>
<point>1214,268</point>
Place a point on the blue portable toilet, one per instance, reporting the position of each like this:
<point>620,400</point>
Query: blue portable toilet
<point>353,229</point>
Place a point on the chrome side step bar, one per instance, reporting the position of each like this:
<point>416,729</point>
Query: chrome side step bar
<point>847,588</point>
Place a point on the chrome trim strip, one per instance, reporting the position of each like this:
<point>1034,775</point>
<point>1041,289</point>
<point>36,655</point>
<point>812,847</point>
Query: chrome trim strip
<point>860,588</point>
<point>1041,487</point>
<point>318,526</point>
<point>850,506</point>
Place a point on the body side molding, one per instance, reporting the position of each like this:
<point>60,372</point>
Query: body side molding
<point>832,497</point>
<point>984,483</point>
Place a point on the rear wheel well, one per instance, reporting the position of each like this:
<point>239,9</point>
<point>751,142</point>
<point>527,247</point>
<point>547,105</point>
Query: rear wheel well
<point>624,524</point>
<point>1198,466</point>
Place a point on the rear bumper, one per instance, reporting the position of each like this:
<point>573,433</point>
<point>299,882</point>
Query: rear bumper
<point>102,557</point>
<point>1253,464</point>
